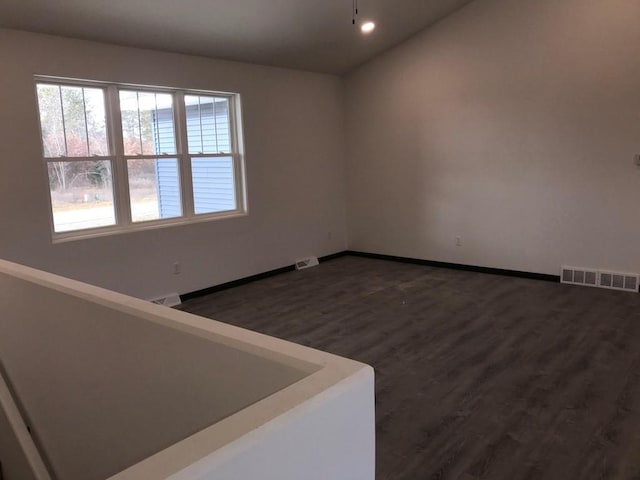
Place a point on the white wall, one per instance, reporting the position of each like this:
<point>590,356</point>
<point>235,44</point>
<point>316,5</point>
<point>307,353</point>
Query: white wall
<point>512,124</point>
<point>332,436</point>
<point>293,126</point>
<point>15,442</point>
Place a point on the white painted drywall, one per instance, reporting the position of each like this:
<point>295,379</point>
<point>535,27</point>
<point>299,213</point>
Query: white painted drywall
<point>512,124</point>
<point>331,436</point>
<point>293,130</point>
<point>13,461</point>
<point>109,382</point>
<point>103,389</point>
<point>19,456</point>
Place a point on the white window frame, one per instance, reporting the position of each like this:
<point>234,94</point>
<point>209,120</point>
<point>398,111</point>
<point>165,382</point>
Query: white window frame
<point>120,179</point>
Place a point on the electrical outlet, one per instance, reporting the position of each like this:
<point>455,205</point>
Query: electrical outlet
<point>176,268</point>
<point>458,241</point>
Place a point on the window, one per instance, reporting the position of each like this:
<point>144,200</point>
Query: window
<point>122,157</point>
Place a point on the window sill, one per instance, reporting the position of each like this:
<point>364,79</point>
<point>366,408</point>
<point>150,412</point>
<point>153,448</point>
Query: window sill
<point>142,226</point>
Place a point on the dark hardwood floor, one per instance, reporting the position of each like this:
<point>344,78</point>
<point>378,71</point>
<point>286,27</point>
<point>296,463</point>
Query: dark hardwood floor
<point>477,376</point>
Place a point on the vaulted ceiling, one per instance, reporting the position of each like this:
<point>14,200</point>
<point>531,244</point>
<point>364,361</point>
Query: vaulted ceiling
<point>315,35</point>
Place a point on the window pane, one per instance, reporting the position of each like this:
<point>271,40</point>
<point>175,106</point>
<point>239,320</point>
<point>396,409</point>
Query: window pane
<point>147,123</point>
<point>208,127</point>
<point>73,121</point>
<point>96,121</point>
<point>51,120</point>
<point>213,184</point>
<point>154,188</point>
<point>81,194</point>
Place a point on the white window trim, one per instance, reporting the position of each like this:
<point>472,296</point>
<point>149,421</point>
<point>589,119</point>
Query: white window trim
<point>122,202</point>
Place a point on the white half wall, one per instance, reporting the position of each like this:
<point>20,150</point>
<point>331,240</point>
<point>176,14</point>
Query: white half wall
<point>113,386</point>
<point>293,131</point>
<point>512,124</point>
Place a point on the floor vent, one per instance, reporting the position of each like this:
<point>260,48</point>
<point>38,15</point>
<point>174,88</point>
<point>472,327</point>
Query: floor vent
<point>627,282</point>
<point>619,281</point>
<point>579,276</point>
<point>171,300</point>
<point>306,263</point>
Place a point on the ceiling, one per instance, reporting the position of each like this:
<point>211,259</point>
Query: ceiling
<point>315,35</point>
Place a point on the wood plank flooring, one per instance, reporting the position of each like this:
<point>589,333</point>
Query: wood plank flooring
<point>477,376</point>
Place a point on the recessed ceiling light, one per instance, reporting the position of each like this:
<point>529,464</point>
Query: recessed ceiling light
<point>367,27</point>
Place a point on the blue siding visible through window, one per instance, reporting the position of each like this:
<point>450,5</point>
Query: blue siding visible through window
<point>167,176</point>
<point>163,136</point>
<point>168,181</point>
<point>213,184</point>
<point>208,131</point>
